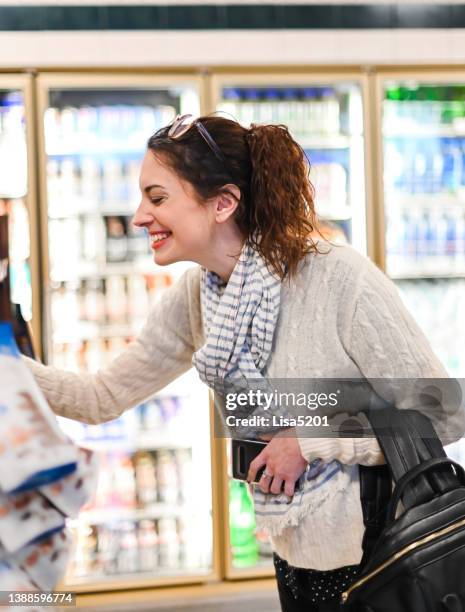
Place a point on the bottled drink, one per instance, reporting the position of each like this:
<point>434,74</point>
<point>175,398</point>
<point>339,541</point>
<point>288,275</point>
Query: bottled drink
<point>146,482</point>
<point>138,243</point>
<point>148,545</point>
<point>186,557</point>
<point>128,551</point>
<point>250,106</point>
<point>94,301</point>
<point>151,416</point>
<point>108,544</point>
<point>93,355</point>
<point>330,111</point>
<point>104,492</point>
<point>132,178</point>
<point>308,97</point>
<point>452,171</point>
<point>230,101</point>
<point>113,182</point>
<point>244,546</point>
<point>124,482</point>
<point>116,299</point>
<point>86,549</point>
<point>439,245</point>
<point>459,247</point>
<point>138,300</point>
<point>167,477</point>
<point>269,110</point>
<point>116,239</point>
<point>186,476</point>
<point>70,306</point>
<point>437,172</point>
<point>169,543</point>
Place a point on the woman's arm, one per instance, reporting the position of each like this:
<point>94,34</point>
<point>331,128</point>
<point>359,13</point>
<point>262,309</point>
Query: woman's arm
<point>390,350</point>
<point>162,352</point>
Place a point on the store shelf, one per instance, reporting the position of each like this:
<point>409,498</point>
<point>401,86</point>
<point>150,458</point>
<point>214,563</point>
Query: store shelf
<point>416,272</point>
<point>324,141</point>
<point>93,331</point>
<point>111,515</point>
<point>442,200</point>
<point>84,270</point>
<point>424,131</point>
<point>98,147</point>
<point>334,214</point>
<point>98,211</point>
<point>146,443</point>
<point>144,578</point>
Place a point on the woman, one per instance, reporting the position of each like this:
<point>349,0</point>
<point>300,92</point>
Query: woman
<point>267,300</point>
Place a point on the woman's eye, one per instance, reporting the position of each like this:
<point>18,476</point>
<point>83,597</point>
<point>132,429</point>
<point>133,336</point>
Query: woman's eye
<point>156,200</point>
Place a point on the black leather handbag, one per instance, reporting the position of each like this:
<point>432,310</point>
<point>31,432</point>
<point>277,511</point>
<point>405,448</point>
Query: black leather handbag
<point>414,562</point>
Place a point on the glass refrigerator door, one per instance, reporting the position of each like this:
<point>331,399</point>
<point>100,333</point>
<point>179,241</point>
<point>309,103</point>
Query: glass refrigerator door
<point>327,121</point>
<point>150,519</point>
<point>423,130</point>
<point>14,189</point>
<point>423,127</point>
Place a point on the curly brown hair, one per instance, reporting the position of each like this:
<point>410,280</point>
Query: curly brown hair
<point>276,211</point>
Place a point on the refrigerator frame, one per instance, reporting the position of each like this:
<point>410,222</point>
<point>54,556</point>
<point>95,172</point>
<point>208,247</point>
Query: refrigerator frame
<point>119,80</point>
<point>25,84</point>
<point>305,76</point>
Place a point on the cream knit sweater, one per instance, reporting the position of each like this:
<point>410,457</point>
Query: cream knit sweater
<point>339,317</point>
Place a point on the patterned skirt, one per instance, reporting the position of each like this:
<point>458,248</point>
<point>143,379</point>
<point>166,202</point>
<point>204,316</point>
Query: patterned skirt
<point>309,590</point>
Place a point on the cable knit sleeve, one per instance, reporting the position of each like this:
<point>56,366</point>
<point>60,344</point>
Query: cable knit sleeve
<point>383,340</point>
<point>162,352</point>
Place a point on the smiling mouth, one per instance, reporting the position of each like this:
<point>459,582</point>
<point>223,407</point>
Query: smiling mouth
<point>160,236</point>
<point>159,239</point>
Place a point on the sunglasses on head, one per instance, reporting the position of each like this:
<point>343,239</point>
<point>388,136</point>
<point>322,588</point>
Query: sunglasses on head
<point>183,124</point>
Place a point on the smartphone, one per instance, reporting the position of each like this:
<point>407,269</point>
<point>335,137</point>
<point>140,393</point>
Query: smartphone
<point>243,453</point>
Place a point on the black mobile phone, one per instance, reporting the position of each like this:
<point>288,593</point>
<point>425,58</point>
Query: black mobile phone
<point>243,453</point>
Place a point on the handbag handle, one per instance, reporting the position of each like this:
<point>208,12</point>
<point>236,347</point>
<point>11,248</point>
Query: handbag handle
<point>413,473</point>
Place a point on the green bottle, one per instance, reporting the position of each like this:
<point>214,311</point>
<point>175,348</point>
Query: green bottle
<point>244,546</point>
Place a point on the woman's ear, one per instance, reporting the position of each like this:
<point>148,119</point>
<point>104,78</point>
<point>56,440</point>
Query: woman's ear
<point>226,202</point>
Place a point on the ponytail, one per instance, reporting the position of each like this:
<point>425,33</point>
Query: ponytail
<point>282,213</point>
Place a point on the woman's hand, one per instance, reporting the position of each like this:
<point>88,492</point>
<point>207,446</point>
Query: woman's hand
<point>283,461</point>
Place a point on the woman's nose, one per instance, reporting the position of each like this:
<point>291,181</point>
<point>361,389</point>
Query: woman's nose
<point>141,217</point>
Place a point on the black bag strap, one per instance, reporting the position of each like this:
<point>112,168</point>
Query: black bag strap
<point>414,473</point>
<point>398,439</point>
<point>375,493</point>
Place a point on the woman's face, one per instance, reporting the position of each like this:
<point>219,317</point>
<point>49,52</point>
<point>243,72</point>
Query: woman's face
<point>180,227</point>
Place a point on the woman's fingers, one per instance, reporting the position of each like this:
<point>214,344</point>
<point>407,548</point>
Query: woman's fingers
<point>255,465</point>
<point>276,485</point>
<point>289,488</point>
<point>265,482</point>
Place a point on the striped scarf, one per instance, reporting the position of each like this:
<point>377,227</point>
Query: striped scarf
<point>240,319</point>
